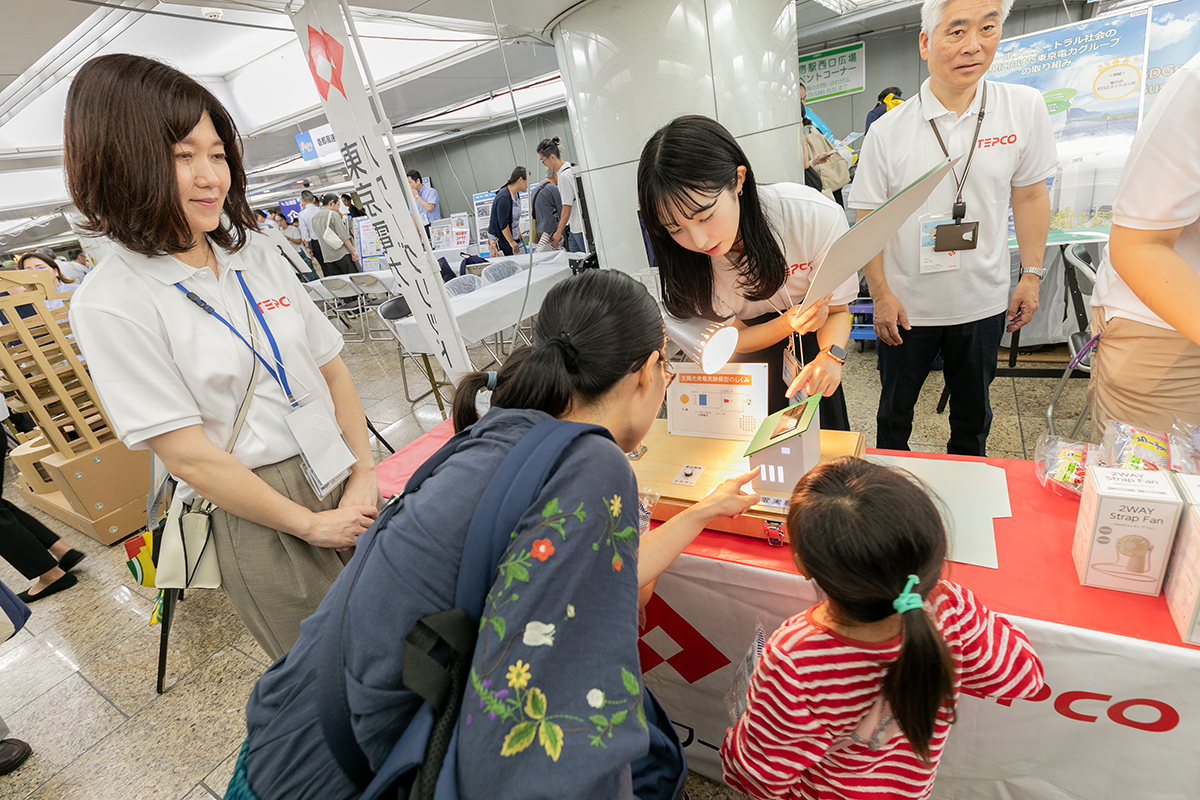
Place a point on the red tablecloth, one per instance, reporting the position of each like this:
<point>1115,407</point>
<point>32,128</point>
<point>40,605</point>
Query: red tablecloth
<point>1036,577</point>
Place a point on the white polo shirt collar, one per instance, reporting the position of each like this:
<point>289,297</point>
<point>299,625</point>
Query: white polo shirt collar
<point>171,270</point>
<point>932,108</point>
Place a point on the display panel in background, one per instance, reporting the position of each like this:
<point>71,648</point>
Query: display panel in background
<point>1099,78</point>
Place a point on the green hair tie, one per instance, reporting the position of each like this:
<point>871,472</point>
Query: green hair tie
<point>908,599</point>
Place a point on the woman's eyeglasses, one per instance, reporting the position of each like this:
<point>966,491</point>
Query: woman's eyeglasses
<point>668,368</point>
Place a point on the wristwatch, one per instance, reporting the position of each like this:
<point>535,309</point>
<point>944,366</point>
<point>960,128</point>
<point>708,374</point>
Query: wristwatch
<point>1039,271</point>
<point>838,354</point>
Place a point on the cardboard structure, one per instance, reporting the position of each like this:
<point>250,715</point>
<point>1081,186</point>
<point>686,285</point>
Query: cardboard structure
<point>75,469</point>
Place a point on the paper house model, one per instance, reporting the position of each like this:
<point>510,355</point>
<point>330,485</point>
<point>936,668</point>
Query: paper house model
<point>787,445</point>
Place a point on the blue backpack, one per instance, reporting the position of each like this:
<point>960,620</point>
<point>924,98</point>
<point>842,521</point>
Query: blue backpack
<point>437,652</point>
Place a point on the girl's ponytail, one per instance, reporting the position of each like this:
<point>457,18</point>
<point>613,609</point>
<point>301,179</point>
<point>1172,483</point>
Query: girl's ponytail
<point>920,685</point>
<point>859,530</point>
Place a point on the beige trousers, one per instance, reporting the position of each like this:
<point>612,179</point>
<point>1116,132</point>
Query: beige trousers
<point>275,580</point>
<point>1142,375</point>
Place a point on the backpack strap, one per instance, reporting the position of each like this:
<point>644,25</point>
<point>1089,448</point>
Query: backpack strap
<point>513,488</point>
<point>333,707</point>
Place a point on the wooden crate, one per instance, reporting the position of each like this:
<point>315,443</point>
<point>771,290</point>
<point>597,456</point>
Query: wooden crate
<point>666,454</point>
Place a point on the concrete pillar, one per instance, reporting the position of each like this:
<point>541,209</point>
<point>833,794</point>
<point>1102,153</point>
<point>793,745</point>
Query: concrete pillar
<point>631,66</point>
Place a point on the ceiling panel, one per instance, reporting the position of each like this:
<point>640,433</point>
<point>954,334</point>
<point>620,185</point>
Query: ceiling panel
<point>29,32</point>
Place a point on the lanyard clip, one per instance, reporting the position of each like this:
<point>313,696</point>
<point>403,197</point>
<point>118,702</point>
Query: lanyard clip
<point>960,211</point>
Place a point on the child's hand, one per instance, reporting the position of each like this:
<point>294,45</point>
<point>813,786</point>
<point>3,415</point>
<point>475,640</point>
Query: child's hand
<point>728,499</point>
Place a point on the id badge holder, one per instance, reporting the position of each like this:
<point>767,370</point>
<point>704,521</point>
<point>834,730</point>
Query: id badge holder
<point>931,261</point>
<point>326,457</point>
<point>791,368</point>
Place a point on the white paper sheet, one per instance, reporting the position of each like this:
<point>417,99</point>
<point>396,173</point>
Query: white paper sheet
<point>871,234</point>
<point>974,495</point>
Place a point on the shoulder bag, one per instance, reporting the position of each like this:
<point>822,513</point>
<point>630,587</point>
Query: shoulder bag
<point>188,558</point>
<point>328,236</point>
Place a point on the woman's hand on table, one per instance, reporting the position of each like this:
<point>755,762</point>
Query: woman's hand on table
<point>728,499</point>
<point>820,376</point>
<point>810,319</point>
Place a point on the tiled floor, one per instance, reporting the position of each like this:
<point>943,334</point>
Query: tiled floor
<point>78,682</point>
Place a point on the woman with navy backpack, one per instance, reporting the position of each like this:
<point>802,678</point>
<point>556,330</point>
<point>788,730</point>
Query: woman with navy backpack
<point>552,701</point>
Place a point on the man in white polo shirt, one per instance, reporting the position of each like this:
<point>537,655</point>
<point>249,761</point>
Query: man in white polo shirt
<point>942,283</point>
<point>308,210</point>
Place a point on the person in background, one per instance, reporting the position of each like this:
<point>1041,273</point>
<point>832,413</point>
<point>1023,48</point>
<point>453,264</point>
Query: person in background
<point>174,378</point>
<point>291,232</point>
<point>546,203</point>
<point>500,227</point>
<point>30,547</point>
<point>427,200</point>
<point>889,98</point>
<point>352,211</point>
<point>728,247</point>
<point>810,117</point>
<point>854,697</point>
<point>63,284</point>
<point>76,266</point>
<point>308,210</point>
<point>550,154</point>
<point>957,301</point>
<point>338,260</point>
<point>1146,368</point>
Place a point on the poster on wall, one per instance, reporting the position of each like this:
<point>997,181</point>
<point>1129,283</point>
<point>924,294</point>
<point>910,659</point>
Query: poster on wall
<point>1173,39</point>
<point>440,235</point>
<point>482,203</point>
<point>833,73</point>
<point>376,175</point>
<point>1098,77</point>
<point>371,254</point>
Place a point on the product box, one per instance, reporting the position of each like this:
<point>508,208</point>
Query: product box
<point>1125,529</point>
<point>1182,584</point>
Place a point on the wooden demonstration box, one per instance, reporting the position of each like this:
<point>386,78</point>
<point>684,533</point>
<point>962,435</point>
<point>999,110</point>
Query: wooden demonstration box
<point>666,457</point>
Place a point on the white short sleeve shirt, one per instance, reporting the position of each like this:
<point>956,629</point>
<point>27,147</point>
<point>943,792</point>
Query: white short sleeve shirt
<point>566,183</point>
<point>1159,189</point>
<point>806,223</point>
<point>1015,148</point>
<point>159,363</point>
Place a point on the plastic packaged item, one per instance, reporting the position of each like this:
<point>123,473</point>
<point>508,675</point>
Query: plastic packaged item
<point>1189,432</point>
<point>737,698</point>
<point>1061,464</point>
<point>647,500</point>
<point>1128,447</point>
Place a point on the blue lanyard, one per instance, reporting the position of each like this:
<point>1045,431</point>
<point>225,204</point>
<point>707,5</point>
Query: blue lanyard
<point>280,376</point>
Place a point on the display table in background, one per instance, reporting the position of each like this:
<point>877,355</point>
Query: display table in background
<point>1119,719</point>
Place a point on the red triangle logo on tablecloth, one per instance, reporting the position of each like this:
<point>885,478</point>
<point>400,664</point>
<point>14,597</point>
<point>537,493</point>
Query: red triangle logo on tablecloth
<point>698,659</point>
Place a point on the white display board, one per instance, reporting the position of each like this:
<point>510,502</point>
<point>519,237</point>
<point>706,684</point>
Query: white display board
<point>371,254</point>
<point>729,404</point>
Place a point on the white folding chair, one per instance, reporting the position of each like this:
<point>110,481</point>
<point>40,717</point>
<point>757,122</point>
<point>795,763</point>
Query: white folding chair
<point>350,301</point>
<point>390,312</point>
<point>499,271</point>
<point>372,293</point>
<point>463,284</point>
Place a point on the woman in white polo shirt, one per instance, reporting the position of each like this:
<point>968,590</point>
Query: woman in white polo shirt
<point>168,190</point>
<point>727,247</point>
<point>1146,369</point>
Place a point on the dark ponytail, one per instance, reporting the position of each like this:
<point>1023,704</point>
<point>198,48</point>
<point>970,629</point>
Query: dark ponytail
<point>859,530</point>
<point>591,331</point>
<point>696,154</point>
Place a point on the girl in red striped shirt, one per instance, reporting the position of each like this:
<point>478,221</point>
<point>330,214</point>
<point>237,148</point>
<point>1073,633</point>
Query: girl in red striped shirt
<point>854,698</point>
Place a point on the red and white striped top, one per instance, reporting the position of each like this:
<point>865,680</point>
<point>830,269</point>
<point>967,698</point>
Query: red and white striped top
<point>812,727</point>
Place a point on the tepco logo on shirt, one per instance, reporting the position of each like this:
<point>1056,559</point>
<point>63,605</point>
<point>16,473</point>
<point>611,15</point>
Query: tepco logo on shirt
<point>998,140</point>
<point>271,305</point>
<point>794,268</point>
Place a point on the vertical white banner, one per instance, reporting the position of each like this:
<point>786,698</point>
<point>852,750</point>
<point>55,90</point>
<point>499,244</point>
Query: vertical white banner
<point>379,181</point>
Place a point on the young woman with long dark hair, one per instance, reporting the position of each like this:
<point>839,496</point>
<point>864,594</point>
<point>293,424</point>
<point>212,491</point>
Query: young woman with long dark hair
<point>728,247</point>
<point>563,628</point>
<point>859,691</point>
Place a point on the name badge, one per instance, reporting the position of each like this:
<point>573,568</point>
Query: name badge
<point>326,456</point>
<point>791,369</point>
<point>932,260</point>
